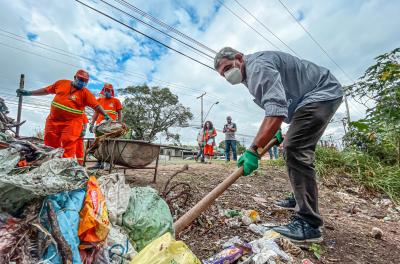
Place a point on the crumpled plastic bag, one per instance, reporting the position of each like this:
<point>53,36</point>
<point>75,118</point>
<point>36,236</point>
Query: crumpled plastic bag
<point>94,223</point>
<point>9,158</point>
<point>117,193</point>
<point>110,127</point>
<point>67,206</point>
<point>266,250</point>
<point>119,248</point>
<point>166,250</point>
<point>53,176</point>
<point>147,217</point>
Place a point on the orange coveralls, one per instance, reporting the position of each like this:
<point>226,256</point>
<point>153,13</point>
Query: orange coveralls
<point>80,148</point>
<point>111,106</point>
<point>64,123</point>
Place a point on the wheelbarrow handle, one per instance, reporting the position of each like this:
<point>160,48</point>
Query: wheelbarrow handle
<point>207,200</point>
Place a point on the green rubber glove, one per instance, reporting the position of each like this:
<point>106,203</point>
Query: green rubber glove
<point>279,137</point>
<point>249,161</point>
<point>23,92</point>
<point>107,117</point>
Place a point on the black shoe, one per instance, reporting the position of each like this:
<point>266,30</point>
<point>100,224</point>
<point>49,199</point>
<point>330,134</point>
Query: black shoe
<point>288,203</point>
<point>298,230</point>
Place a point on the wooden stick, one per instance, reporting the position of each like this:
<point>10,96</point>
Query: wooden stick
<point>21,87</point>
<point>204,203</point>
<point>62,245</point>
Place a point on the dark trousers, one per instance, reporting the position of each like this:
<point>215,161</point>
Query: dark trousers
<point>306,128</point>
<point>230,144</point>
<point>200,154</point>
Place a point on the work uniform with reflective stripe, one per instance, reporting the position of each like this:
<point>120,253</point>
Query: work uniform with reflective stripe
<point>80,147</point>
<point>111,106</point>
<point>64,123</point>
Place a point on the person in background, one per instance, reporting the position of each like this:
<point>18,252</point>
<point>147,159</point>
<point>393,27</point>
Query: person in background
<point>80,147</point>
<point>200,143</point>
<point>230,140</point>
<point>209,134</point>
<point>112,106</point>
<point>273,152</point>
<point>64,123</point>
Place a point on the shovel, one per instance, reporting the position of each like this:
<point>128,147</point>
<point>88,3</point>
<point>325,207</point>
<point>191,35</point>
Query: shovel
<point>204,203</point>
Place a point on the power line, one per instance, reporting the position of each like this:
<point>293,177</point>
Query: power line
<point>315,41</point>
<point>161,23</point>
<point>267,28</point>
<point>63,52</point>
<point>244,21</point>
<point>143,34</point>
<point>109,76</point>
<point>207,56</point>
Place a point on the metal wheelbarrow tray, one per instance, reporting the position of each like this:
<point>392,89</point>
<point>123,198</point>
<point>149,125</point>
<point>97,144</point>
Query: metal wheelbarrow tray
<point>131,154</point>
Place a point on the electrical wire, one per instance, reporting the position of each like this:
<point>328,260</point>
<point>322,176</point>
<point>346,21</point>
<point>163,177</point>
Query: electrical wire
<point>207,56</point>
<point>315,41</point>
<point>50,48</point>
<point>267,28</point>
<point>161,23</point>
<point>144,34</point>
<point>250,26</point>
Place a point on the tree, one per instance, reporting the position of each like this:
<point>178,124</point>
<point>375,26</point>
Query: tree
<point>152,110</point>
<point>379,91</point>
<point>239,147</point>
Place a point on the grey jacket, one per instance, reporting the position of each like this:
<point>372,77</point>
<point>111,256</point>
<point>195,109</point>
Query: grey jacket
<point>282,83</point>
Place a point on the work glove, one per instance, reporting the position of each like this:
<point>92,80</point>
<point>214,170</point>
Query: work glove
<point>107,117</point>
<point>249,161</point>
<point>279,137</point>
<point>91,128</point>
<point>21,92</point>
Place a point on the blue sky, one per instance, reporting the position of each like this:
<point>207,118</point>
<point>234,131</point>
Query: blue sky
<point>352,32</point>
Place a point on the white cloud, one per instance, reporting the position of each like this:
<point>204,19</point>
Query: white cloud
<point>352,32</point>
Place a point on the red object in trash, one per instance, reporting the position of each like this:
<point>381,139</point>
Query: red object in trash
<point>22,163</point>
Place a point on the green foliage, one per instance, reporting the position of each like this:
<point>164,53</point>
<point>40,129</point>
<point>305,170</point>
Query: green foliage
<point>379,89</point>
<point>328,161</point>
<point>364,168</point>
<point>152,110</point>
<point>317,249</point>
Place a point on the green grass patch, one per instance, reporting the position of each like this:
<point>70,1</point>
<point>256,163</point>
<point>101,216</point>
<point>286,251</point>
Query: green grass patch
<point>365,169</point>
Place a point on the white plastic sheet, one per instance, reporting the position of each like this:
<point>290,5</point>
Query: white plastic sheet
<point>117,194</point>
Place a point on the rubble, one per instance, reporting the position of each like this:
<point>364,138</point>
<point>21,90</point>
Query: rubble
<point>376,233</point>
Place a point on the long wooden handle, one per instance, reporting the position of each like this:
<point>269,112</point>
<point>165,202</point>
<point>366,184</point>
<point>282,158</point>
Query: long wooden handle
<point>19,111</point>
<point>207,200</point>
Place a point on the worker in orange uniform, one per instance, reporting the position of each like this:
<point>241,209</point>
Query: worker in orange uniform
<point>110,104</point>
<point>64,123</point>
<point>80,148</point>
<point>113,108</point>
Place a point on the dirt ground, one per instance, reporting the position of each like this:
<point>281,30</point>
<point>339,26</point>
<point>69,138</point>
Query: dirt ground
<point>349,212</point>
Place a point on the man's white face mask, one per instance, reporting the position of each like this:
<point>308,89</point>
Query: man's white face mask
<point>234,75</point>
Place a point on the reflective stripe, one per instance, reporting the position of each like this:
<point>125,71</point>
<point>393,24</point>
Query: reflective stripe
<point>79,158</point>
<point>111,111</point>
<point>66,108</point>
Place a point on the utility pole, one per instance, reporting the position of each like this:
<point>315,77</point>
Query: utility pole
<point>347,110</point>
<point>21,87</point>
<point>201,100</point>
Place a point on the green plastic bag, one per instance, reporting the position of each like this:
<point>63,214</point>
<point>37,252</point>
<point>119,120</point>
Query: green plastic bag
<point>147,217</point>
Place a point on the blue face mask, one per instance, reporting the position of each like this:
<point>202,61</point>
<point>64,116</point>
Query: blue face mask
<point>79,84</point>
<point>107,94</point>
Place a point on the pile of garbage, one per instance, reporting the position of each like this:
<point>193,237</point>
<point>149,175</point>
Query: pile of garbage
<point>53,211</point>
<point>7,124</point>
